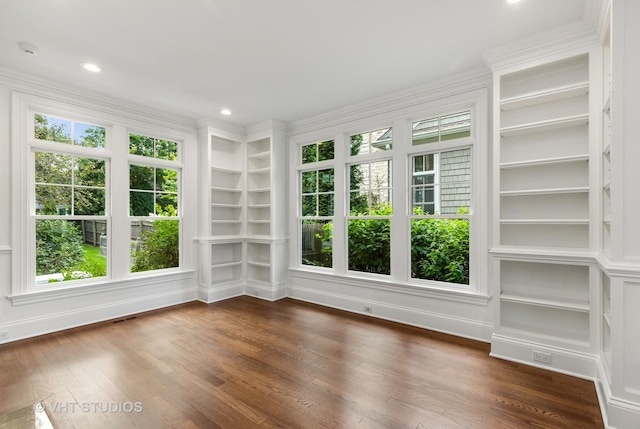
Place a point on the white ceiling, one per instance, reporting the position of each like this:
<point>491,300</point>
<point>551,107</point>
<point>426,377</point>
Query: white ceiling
<point>275,59</point>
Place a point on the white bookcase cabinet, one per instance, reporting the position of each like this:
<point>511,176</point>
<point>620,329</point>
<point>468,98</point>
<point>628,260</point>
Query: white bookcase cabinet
<point>543,266</point>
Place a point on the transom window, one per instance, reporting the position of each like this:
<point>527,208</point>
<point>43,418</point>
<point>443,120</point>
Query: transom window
<point>441,128</point>
<point>53,129</point>
<point>372,141</point>
<point>152,147</point>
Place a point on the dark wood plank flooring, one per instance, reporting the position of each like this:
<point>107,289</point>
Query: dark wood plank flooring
<point>248,363</point>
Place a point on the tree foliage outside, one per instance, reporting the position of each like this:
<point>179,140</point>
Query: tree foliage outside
<point>160,246</point>
<point>439,247</point>
<point>370,242</point>
<point>58,246</point>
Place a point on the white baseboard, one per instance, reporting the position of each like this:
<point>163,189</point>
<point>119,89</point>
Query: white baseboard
<point>616,413</point>
<point>214,293</point>
<point>444,323</point>
<point>53,322</point>
<point>565,361</point>
<point>267,292</point>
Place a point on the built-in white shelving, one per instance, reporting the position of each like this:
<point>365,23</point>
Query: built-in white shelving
<point>542,189</point>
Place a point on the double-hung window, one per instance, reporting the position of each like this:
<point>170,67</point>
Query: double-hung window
<point>369,206</point>
<point>154,203</point>
<point>316,208</point>
<point>440,192</point>
<point>96,201</point>
<point>70,199</point>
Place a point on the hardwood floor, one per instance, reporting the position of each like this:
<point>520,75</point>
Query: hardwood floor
<point>248,363</point>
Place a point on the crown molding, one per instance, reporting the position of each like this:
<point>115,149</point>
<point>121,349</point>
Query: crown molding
<point>31,85</point>
<point>441,88</point>
<point>598,14</point>
<point>222,129</point>
<point>560,41</point>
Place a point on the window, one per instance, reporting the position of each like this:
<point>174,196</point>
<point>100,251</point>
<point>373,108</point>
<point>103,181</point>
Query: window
<point>442,128</point>
<point>369,219</point>
<point>440,219</point>
<point>95,201</point>
<point>317,206</point>
<point>70,205</point>
<point>372,141</point>
<point>52,129</point>
<point>424,183</point>
<point>402,206</point>
<point>153,148</point>
<point>154,205</point>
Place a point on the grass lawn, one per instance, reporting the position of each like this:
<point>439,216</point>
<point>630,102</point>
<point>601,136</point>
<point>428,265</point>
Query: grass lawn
<point>94,263</point>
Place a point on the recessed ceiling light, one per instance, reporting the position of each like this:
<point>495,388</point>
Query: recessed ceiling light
<point>28,49</point>
<point>226,112</point>
<point>513,1</point>
<point>91,67</point>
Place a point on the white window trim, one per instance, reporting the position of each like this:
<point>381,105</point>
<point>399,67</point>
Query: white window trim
<point>475,100</point>
<point>23,288</point>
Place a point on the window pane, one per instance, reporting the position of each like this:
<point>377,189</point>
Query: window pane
<point>373,141</point>
<point>426,131</point>
<point>380,174</point>
<point>141,177</point>
<point>64,254</point>
<point>69,132</point>
<point>317,243</point>
<point>440,250</point>
<point>166,204</point>
<point>358,175</point>
<point>325,180</point>
<point>359,203</point>
<point>155,245</point>
<point>88,135</point>
<point>326,150</point>
<point>309,182</point>
<point>141,203</point>
<point>455,199</point>
<point>455,126</point>
<point>89,172</point>
<point>53,168</point>
<point>369,245</point>
<point>52,129</point>
<point>448,127</point>
<point>53,200</point>
<point>309,205</point>
<point>89,201</point>
<point>166,180</point>
<point>309,153</point>
<point>325,205</point>
<point>140,145</point>
<point>166,149</point>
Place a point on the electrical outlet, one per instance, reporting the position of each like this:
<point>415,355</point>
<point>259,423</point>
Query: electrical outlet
<point>368,309</point>
<point>541,357</point>
<point>4,335</point>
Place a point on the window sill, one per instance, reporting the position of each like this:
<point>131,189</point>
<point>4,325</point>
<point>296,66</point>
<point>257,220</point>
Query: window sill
<point>426,291</point>
<point>44,295</point>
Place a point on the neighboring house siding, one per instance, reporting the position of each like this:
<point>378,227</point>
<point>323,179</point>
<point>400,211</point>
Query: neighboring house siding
<point>455,167</point>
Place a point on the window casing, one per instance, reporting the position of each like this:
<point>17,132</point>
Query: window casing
<point>69,197</point>
<point>428,183</point>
